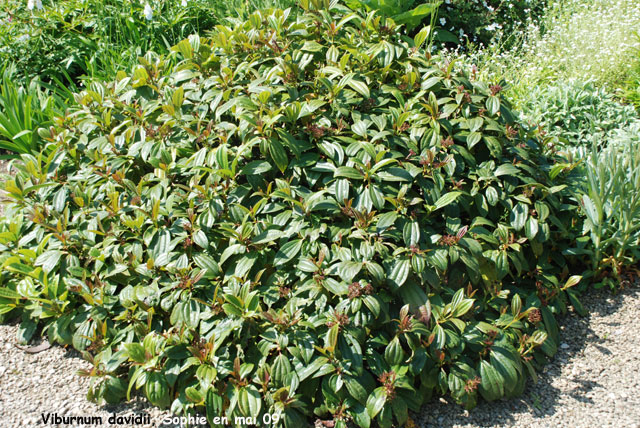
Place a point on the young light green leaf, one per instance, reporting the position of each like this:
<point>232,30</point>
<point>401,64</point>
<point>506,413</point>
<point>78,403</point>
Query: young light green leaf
<point>447,199</point>
<point>359,87</point>
<point>400,271</point>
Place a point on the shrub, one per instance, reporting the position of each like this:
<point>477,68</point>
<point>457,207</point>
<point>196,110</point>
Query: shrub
<point>575,40</point>
<point>69,38</point>
<point>409,13</point>
<point>304,217</point>
<point>44,43</point>
<point>578,113</point>
<point>587,40</point>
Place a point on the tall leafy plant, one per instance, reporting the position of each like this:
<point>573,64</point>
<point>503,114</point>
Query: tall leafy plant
<point>409,13</point>
<point>611,203</point>
<point>24,109</point>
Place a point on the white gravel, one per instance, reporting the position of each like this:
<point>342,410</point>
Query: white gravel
<point>35,384</point>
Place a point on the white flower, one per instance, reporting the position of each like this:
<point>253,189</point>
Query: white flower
<point>184,3</point>
<point>443,21</point>
<point>148,12</point>
<point>34,3</point>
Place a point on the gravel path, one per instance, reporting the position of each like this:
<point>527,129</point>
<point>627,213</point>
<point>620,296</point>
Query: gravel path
<point>593,381</point>
<point>46,382</point>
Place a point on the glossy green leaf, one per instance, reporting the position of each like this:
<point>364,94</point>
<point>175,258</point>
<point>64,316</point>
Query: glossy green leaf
<point>400,271</point>
<point>376,401</point>
<point>157,389</point>
<point>278,154</point>
<point>492,383</point>
<point>288,251</point>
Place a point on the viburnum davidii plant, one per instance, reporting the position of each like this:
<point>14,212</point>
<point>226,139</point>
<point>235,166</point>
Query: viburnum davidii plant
<point>307,217</point>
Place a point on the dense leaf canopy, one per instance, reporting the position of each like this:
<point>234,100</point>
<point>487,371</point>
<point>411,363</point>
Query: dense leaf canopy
<point>295,216</point>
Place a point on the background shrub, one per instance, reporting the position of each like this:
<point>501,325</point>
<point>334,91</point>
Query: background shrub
<point>24,109</point>
<point>584,40</point>
<point>306,216</point>
<point>577,113</point>
<point>69,38</point>
<point>409,13</point>
<point>588,40</point>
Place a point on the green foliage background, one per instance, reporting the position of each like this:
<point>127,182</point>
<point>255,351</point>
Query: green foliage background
<point>71,38</point>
